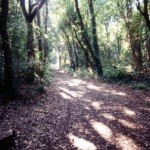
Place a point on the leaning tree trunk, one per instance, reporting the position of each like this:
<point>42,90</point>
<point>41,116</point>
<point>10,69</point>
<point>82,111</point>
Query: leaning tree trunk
<point>6,46</point>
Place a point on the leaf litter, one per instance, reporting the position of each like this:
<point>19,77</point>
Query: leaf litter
<point>52,121</point>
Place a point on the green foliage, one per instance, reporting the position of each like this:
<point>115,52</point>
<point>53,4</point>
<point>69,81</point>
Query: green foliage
<point>25,71</point>
<point>115,73</point>
<point>84,73</point>
<point>33,71</point>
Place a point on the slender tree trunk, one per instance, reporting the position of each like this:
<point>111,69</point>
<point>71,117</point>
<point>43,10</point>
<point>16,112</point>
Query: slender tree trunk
<point>6,46</point>
<point>45,41</point>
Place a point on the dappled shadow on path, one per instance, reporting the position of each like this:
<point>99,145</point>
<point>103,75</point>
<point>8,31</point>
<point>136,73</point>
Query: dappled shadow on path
<point>82,114</point>
<point>105,115</point>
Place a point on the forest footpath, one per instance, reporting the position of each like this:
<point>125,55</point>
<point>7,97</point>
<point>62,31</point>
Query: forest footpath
<point>77,114</point>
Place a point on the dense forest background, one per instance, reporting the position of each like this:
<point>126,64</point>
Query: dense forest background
<point>109,39</point>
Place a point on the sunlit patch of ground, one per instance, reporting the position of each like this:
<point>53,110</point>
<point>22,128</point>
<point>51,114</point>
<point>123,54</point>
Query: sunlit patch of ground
<point>128,124</point>
<point>103,130</point>
<point>126,143</point>
<point>128,112</point>
<point>81,143</point>
<point>109,116</point>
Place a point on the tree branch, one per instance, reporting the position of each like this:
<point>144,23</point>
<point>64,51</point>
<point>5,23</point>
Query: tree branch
<point>35,11</point>
<point>24,9</point>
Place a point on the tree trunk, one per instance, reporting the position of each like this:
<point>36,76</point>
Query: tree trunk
<point>29,18</point>
<point>45,41</point>
<point>39,36</point>
<point>148,45</point>
<point>88,62</point>
<point>95,39</point>
<point>148,49</point>
<point>6,46</point>
<point>76,54</point>
<point>30,34</point>
<point>136,54</point>
<point>87,43</point>
<point>145,11</point>
<point>30,41</point>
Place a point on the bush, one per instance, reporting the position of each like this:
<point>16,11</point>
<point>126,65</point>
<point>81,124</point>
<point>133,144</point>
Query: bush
<point>140,86</point>
<point>32,71</point>
<point>84,73</point>
<point>24,71</point>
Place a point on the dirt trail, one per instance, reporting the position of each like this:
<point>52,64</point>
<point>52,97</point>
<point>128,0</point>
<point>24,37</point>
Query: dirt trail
<point>77,114</point>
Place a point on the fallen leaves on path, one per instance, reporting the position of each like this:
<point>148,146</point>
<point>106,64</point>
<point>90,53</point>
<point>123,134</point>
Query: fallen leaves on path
<point>76,114</point>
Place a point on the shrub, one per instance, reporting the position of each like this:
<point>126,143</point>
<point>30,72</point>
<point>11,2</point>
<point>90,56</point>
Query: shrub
<point>115,73</point>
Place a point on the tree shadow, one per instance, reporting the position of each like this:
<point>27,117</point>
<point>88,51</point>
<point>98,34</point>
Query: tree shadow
<point>92,116</point>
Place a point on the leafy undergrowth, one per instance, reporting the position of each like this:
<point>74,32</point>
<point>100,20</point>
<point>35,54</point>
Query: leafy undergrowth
<point>115,76</point>
<point>76,114</point>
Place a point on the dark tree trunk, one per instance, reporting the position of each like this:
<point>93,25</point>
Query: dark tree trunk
<point>30,34</point>
<point>88,62</point>
<point>86,41</point>
<point>76,54</point>
<point>30,41</point>
<point>95,39</point>
<point>148,49</point>
<point>137,54</point>
<point>6,46</point>
<point>45,41</point>
<point>145,13</point>
<point>148,45</point>
<point>29,16</point>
